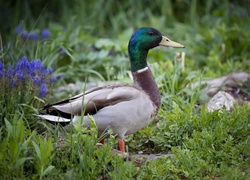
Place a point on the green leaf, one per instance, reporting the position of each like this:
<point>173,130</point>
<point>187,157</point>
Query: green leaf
<point>46,147</point>
<point>20,162</point>
<point>20,130</point>
<point>26,142</point>
<point>8,126</point>
<point>48,170</point>
<point>13,150</point>
<point>37,149</point>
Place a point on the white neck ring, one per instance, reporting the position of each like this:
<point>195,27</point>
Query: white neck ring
<point>142,70</point>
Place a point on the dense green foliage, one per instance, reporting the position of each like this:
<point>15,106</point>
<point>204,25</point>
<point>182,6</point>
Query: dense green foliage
<point>86,41</point>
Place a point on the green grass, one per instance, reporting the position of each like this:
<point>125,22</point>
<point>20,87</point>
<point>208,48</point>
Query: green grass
<point>93,36</point>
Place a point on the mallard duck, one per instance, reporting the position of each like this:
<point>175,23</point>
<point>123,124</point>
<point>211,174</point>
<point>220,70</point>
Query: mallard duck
<point>125,109</point>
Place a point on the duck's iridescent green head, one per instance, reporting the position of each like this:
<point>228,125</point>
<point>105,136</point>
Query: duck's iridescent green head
<point>141,41</point>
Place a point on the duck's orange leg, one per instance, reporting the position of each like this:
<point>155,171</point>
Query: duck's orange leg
<point>121,144</point>
<point>102,141</point>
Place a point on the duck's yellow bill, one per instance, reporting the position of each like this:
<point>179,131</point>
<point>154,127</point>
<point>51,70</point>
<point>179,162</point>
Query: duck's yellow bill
<point>167,42</point>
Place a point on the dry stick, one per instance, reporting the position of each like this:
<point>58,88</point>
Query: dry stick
<point>177,54</point>
<point>183,61</point>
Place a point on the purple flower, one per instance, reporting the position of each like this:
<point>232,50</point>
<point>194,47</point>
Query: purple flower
<point>112,53</point>
<point>37,80</point>
<point>28,73</point>
<point>43,90</point>
<point>10,72</point>
<point>19,75</point>
<point>18,29</point>
<point>38,65</point>
<point>39,68</point>
<point>44,73</point>
<point>236,92</point>
<point>53,79</point>
<point>1,65</point>
<point>45,33</point>
<point>32,68</point>
<point>50,70</point>
<point>33,36</point>
<point>13,83</point>
<point>25,35</point>
<point>1,69</point>
<point>23,64</point>
<point>62,52</point>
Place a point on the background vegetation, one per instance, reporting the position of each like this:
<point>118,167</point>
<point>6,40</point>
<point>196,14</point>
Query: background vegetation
<point>86,41</point>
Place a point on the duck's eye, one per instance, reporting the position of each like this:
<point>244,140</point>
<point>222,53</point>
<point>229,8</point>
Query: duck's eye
<point>150,33</point>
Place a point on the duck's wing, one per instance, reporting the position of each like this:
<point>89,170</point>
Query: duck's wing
<point>91,101</point>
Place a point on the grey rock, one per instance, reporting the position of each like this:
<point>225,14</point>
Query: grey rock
<point>220,100</point>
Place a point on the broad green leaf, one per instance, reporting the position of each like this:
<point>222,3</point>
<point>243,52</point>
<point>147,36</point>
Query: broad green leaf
<point>8,126</point>
<point>20,162</point>
<point>13,150</point>
<point>48,170</point>
<point>37,149</point>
